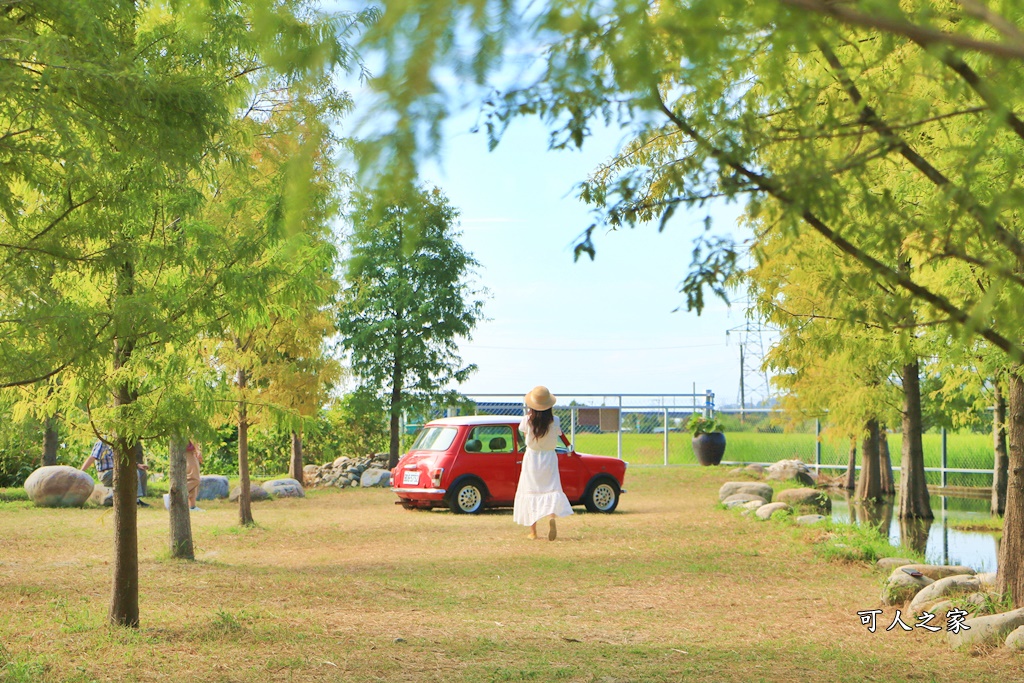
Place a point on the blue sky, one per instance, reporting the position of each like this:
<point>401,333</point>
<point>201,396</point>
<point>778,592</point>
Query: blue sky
<point>605,326</point>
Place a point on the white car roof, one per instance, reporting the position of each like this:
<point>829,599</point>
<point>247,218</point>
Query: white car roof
<point>475,420</point>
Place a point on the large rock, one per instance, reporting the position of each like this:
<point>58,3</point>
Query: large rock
<point>986,630</point>
<point>752,506</point>
<point>790,469</point>
<point>948,586</point>
<point>59,486</point>
<point>754,471</point>
<point>741,498</point>
<point>1015,641</point>
<point>939,571</point>
<point>752,487</point>
<point>988,581</point>
<point>375,476</point>
<point>213,486</point>
<point>284,488</point>
<point>310,471</point>
<point>256,493</point>
<point>808,520</point>
<point>102,496</point>
<point>805,497</point>
<point>340,462</point>
<point>766,511</point>
<point>901,586</point>
<point>887,564</point>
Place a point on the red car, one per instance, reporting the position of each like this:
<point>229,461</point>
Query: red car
<point>469,463</point>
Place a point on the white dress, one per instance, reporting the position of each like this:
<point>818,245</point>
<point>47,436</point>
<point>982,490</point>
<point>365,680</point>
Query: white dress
<point>539,493</point>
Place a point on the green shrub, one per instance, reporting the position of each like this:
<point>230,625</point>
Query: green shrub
<point>860,543</point>
<point>12,494</point>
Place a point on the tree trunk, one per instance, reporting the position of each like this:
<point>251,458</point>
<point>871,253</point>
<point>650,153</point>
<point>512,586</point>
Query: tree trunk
<point>180,519</point>
<point>295,466</point>
<point>914,499</point>
<point>999,470</point>
<point>1010,576</point>
<point>124,602</point>
<point>244,498</point>
<point>396,413</point>
<point>51,440</point>
<point>869,488</point>
<point>851,467</point>
<point>888,485</point>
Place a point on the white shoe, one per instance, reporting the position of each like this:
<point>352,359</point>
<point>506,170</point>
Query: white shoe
<point>196,509</point>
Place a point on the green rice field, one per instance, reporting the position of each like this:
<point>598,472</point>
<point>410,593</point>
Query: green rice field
<point>966,451</point>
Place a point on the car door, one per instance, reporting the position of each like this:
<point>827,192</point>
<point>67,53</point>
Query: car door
<point>491,450</point>
<point>570,471</point>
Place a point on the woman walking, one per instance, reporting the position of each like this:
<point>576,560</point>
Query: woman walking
<point>539,493</point>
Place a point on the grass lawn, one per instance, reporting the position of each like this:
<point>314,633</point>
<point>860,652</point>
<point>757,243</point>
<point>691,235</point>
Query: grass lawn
<point>346,586</point>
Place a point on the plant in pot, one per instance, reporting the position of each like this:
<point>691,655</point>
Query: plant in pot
<point>708,439</point>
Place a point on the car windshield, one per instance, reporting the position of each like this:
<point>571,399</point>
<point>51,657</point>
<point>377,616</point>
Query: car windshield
<point>435,439</point>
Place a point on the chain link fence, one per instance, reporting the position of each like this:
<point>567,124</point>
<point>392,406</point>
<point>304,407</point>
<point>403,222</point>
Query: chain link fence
<point>647,429</point>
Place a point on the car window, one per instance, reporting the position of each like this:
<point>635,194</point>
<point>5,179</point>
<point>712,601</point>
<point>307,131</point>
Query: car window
<point>435,439</point>
<point>489,439</point>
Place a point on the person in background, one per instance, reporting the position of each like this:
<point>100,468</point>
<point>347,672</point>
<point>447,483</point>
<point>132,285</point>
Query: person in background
<point>193,459</point>
<point>539,494</point>
<point>102,456</point>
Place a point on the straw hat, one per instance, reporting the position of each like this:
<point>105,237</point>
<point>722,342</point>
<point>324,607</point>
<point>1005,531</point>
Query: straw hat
<point>540,398</point>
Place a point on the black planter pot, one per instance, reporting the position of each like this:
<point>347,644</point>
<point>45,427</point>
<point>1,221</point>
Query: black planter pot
<point>709,448</point>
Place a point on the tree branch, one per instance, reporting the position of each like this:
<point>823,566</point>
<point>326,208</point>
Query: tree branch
<point>980,213</point>
<point>923,35</point>
<point>770,187</point>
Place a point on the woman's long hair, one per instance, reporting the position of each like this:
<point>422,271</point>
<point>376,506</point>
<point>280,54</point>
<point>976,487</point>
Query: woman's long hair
<point>540,421</point>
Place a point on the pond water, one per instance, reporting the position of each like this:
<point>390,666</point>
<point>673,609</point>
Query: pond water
<point>940,543</point>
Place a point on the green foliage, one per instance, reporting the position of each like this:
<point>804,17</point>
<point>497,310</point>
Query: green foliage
<point>889,145</point>
<point>356,425</point>
<point>698,424</point>
<point>162,163</point>
<point>408,299</point>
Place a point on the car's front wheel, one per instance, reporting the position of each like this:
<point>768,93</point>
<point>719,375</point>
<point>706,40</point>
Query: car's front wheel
<point>602,496</point>
<point>467,498</point>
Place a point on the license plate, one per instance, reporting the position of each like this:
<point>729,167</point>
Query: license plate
<point>411,477</point>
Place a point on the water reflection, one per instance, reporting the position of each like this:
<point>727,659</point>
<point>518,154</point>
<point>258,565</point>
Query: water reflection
<point>935,539</point>
<point>914,533</point>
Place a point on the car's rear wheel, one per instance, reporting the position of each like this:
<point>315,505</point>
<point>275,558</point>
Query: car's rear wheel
<point>602,496</point>
<point>409,506</point>
<point>467,498</point>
